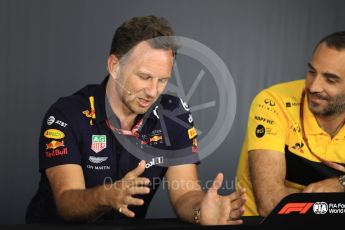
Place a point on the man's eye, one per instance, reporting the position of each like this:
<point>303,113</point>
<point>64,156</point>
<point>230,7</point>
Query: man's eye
<point>312,72</point>
<point>144,77</point>
<point>331,81</point>
<point>164,80</point>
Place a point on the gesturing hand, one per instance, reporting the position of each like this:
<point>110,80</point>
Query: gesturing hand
<point>221,210</point>
<point>120,195</point>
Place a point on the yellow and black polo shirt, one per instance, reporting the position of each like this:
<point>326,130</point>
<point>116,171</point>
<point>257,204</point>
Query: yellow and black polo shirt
<point>274,124</point>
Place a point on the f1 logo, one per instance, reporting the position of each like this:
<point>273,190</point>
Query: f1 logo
<point>301,208</point>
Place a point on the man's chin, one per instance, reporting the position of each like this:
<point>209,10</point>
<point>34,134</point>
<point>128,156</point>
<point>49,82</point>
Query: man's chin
<point>321,112</point>
<point>316,110</point>
<point>139,110</point>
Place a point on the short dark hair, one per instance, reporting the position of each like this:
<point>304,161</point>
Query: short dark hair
<point>145,28</point>
<point>335,40</point>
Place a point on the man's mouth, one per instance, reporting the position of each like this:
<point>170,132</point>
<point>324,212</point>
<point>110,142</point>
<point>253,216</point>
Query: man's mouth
<point>144,102</point>
<point>316,99</point>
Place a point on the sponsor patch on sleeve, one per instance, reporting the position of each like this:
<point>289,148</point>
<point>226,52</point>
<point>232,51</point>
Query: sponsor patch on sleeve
<point>195,146</point>
<point>55,144</point>
<point>192,133</point>
<point>53,134</point>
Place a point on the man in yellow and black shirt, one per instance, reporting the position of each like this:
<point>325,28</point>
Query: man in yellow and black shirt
<point>295,139</point>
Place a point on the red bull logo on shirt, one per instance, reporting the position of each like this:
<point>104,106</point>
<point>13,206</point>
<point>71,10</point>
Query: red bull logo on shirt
<point>56,152</point>
<point>91,114</point>
<point>156,138</point>
<point>55,144</point>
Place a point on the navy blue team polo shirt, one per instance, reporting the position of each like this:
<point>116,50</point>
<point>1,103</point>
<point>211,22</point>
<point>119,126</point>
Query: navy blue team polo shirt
<point>79,129</point>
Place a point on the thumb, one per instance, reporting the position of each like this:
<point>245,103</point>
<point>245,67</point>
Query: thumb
<point>137,171</point>
<point>217,183</point>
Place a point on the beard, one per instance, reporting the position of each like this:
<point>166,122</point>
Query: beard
<point>334,105</point>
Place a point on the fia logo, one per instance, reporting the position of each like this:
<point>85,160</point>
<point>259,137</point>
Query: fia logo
<point>320,207</point>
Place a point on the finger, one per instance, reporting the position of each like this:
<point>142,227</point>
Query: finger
<point>138,190</point>
<point>137,171</point>
<point>239,202</point>
<point>125,211</point>
<point>236,214</point>
<point>139,181</point>
<point>242,191</point>
<point>133,201</point>
<point>217,182</point>
<point>234,222</point>
<point>239,194</point>
<point>307,189</point>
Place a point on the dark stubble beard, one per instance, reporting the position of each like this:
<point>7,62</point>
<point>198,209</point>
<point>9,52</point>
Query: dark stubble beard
<point>335,105</point>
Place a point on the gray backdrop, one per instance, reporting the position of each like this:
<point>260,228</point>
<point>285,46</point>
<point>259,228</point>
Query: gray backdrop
<point>50,49</point>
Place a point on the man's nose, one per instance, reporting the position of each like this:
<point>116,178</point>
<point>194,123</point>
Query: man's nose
<point>152,88</point>
<point>316,84</point>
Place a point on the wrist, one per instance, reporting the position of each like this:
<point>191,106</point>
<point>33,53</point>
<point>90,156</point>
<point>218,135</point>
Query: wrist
<point>104,194</point>
<point>196,215</point>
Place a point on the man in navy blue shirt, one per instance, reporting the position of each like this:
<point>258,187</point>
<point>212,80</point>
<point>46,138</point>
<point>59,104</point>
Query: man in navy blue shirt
<point>104,150</point>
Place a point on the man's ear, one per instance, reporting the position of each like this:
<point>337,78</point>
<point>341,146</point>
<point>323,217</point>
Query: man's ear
<point>112,65</point>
